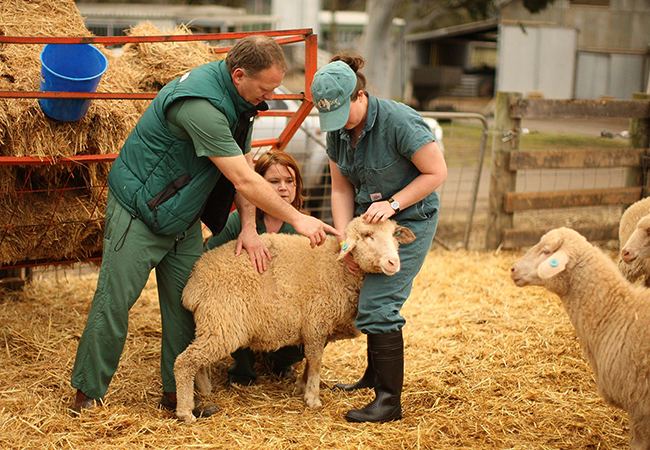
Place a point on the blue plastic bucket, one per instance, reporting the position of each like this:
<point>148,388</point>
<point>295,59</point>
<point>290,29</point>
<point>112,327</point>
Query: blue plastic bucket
<point>70,68</point>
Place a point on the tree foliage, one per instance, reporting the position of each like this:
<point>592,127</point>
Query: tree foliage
<point>535,6</point>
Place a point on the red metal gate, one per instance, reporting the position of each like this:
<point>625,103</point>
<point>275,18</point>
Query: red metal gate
<point>95,214</point>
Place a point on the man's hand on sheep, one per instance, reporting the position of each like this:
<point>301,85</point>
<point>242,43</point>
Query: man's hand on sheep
<point>314,229</point>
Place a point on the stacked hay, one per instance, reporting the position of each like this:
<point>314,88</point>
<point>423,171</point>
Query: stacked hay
<point>37,219</point>
<point>157,63</point>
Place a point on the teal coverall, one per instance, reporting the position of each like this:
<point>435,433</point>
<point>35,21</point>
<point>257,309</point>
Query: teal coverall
<point>378,167</point>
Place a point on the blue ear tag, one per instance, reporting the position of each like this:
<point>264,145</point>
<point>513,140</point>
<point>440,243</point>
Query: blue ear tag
<point>344,246</point>
<point>398,232</point>
<point>554,262</point>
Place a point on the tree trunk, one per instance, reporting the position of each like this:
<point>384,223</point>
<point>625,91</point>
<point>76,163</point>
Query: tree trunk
<point>377,46</point>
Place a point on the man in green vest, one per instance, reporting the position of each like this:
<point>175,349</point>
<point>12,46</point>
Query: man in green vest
<point>167,177</point>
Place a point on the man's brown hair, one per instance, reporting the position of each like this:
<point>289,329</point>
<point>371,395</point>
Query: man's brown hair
<point>255,53</point>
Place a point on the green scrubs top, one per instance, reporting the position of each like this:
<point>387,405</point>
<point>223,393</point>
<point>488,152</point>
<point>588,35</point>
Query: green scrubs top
<point>380,164</point>
<point>197,120</point>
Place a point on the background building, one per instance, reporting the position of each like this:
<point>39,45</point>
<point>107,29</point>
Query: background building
<point>111,19</point>
<point>574,49</point>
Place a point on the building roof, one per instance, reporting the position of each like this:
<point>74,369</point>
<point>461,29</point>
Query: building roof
<point>196,14</point>
<point>350,18</point>
<point>474,30</point>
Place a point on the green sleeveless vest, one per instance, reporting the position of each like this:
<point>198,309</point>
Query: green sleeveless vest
<point>158,178</point>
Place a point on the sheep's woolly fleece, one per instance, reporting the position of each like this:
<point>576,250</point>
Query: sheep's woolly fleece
<point>639,268</point>
<point>488,365</point>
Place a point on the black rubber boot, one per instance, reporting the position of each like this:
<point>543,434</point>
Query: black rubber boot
<point>367,380</point>
<point>388,361</point>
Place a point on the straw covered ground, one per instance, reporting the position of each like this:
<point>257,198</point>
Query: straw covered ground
<point>488,366</point>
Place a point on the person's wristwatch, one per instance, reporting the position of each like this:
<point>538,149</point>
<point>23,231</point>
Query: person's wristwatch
<point>394,204</point>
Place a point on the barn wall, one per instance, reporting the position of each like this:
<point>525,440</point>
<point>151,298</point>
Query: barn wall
<point>611,47</point>
<point>540,59</point>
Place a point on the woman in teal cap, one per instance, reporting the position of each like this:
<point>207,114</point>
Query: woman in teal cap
<point>385,164</point>
<point>281,171</point>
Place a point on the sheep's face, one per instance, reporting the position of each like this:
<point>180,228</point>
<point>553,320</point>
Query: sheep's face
<point>546,260</point>
<point>374,246</point>
<point>638,245</point>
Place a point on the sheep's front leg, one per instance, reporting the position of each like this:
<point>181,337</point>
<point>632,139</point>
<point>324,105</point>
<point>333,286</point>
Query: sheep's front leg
<point>302,381</point>
<point>639,432</point>
<point>202,382</point>
<point>311,377</point>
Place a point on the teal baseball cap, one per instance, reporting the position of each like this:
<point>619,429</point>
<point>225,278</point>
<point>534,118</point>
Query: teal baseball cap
<point>331,89</point>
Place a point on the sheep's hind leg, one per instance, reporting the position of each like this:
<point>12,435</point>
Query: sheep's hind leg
<point>188,363</point>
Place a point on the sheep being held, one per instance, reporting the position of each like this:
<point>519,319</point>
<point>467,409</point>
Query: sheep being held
<point>634,239</point>
<point>306,296</point>
<point>611,318</point>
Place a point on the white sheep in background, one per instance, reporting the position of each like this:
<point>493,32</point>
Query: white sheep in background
<point>634,239</point>
<point>611,318</point>
<point>307,296</point>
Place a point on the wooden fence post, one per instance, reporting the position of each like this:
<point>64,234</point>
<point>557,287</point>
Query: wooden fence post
<point>502,180</point>
<point>640,138</point>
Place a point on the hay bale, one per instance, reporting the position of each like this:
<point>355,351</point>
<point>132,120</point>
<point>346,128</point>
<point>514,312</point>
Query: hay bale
<point>157,63</point>
<point>51,226</point>
<point>26,131</point>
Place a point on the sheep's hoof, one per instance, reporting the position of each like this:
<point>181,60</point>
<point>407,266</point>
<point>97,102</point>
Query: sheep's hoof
<point>313,402</point>
<point>185,416</point>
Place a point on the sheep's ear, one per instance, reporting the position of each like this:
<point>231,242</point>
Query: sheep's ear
<point>346,247</point>
<point>553,265</point>
<point>404,235</point>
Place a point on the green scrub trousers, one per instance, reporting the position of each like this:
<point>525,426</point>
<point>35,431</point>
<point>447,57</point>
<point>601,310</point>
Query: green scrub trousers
<point>131,251</point>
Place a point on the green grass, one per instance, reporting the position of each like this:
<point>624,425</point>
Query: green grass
<point>462,142</point>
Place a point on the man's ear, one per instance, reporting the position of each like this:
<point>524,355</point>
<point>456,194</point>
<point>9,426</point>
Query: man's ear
<point>237,75</point>
<point>553,265</point>
<point>346,247</point>
<point>404,235</point>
